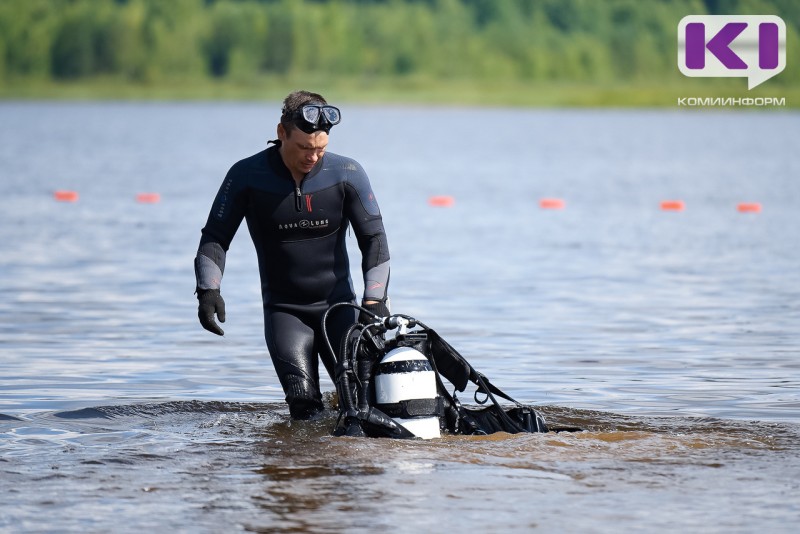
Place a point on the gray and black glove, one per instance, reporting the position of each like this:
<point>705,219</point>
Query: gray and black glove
<point>210,302</point>
<point>378,308</point>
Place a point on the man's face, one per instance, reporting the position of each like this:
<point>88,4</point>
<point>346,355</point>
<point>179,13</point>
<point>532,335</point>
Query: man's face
<point>301,151</point>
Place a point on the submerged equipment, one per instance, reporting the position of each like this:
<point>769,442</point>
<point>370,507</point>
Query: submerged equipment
<point>395,387</point>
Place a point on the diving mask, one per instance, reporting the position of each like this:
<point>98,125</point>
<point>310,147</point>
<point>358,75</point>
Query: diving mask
<point>311,118</point>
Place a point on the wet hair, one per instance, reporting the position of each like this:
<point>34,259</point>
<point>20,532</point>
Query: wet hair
<point>295,101</point>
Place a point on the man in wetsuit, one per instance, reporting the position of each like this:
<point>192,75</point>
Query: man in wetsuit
<point>298,201</point>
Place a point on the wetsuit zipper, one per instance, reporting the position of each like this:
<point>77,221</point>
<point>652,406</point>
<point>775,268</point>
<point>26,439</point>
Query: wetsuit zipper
<point>298,195</point>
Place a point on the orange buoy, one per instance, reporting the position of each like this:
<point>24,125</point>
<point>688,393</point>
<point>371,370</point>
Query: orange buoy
<point>749,207</point>
<point>442,201</point>
<point>66,196</point>
<point>148,198</point>
<point>673,205</point>
<point>552,204</point>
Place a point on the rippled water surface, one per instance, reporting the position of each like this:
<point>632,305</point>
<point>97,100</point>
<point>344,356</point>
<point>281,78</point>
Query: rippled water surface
<point>671,337</point>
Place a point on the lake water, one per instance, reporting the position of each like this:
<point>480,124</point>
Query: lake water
<point>672,337</point>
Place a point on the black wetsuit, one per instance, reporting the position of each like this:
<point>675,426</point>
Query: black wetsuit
<point>299,237</point>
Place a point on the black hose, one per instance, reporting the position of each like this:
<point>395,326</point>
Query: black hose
<point>352,425</point>
<point>345,395</point>
<point>325,322</point>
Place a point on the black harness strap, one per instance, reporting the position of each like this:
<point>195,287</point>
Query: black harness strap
<point>409,409</point>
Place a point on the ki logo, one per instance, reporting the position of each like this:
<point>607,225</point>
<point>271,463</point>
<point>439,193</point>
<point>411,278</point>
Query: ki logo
<point>727,46</point>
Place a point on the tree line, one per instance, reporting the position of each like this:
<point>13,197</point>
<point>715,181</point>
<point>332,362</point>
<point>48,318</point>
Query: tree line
<point>150,41</point>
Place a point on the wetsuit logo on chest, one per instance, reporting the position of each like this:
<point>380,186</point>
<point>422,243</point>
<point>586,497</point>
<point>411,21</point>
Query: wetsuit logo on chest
<point>305,224</point>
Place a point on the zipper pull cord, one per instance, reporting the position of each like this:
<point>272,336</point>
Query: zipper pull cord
<point>298,195</point>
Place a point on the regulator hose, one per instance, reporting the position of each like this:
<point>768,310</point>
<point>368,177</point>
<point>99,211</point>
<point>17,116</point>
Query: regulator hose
<point>325,323</point>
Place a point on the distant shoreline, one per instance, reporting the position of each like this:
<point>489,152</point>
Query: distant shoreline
<point>411,90</point>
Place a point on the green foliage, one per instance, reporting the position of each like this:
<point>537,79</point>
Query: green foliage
<point>161,42</point>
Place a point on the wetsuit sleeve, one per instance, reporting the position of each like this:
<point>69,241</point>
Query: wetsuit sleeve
<point>361,208</point>
<point>226,215</point>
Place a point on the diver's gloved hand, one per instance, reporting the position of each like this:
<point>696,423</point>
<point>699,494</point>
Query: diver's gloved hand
<point>210,302</point>
<point>378,308</point>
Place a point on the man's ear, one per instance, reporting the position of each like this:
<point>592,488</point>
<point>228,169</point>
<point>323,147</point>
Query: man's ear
<point>281,133</point>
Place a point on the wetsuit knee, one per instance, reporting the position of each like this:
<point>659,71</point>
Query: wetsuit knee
<point>303,397</point>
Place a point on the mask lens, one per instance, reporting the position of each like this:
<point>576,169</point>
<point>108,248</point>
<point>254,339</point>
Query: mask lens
<point>332,114</point>
<point>311,114</point>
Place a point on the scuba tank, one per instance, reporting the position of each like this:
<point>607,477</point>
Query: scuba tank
<point>395,388</point>
<point>405,390</point>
